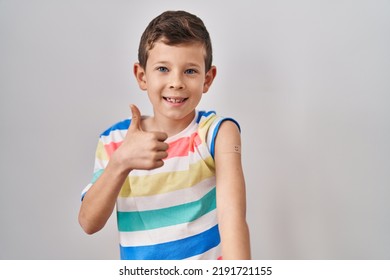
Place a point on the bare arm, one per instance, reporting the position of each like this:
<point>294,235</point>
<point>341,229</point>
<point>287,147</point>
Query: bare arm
<point>139,150</point>
<point>99,202</point>
<point>231,196</point>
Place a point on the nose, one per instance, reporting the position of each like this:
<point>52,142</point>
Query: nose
<point>176,81</point>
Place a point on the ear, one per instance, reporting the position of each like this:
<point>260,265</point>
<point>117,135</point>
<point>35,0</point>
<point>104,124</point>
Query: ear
<point>209,78</point>
<point>140,76</point>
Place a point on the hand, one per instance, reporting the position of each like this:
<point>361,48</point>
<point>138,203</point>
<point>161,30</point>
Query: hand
<point>141,149</point>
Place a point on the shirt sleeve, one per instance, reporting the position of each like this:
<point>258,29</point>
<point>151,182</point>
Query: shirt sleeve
<point>101,161</point>
<point>213,131</point>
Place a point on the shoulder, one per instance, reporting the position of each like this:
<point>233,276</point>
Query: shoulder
<point>115,133</point>
<point>211,120</point>
<point>121,125</point>
<point>228,134</point>
<point>229,127</point>
<point>218,127</point>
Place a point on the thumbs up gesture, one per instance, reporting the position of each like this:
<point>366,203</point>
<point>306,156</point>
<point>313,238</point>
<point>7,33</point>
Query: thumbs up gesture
<point>141,149</point>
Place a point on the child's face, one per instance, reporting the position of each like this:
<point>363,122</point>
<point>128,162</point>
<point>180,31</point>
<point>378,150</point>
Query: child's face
<point>175,79</point>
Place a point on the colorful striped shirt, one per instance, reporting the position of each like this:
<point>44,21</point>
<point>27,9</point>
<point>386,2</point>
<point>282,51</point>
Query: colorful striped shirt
<point>170,212</point>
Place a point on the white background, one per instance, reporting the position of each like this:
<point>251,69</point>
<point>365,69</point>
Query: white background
<point>309,82</point>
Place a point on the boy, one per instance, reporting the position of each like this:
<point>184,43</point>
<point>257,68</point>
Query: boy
<point>168,173</point>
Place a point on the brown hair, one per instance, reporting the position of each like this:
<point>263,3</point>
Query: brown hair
<point>175,27</point>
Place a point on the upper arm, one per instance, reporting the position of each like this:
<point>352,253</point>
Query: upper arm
<point>231,196</point>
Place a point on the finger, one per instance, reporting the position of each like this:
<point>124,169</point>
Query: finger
<point>159,163</point>
<point>160,136</point>
<point>135,117</point>
<point>162,146</point>
<point>161,155</point>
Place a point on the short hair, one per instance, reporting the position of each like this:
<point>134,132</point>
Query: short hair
<point>175,28</point>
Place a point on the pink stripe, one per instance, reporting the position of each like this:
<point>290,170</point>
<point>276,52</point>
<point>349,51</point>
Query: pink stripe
<point>179,148</point>
<point>184,145</point>
<point>111,147</point>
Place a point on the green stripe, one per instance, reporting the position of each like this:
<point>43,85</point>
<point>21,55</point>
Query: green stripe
<point>96,175</point>
<point>151,219</point>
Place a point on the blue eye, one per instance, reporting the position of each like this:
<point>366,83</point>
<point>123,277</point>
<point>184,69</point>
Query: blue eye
<point>190,71</point>
<point>162,69</point>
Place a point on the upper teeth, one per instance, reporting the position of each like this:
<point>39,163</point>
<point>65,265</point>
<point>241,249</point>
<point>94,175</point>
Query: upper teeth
<point>175,100</point>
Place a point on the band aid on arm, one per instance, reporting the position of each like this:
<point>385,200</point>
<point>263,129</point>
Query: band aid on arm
<point>234,149</point>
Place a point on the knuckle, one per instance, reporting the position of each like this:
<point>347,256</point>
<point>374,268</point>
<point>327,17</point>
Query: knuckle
<point>152,136</point>
<point>151,162</point>
<point>152,146</point>
<point>148,164</point>
<point>155,157</point>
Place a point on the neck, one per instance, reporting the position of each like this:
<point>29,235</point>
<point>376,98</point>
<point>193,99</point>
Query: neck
<point>168,125</point>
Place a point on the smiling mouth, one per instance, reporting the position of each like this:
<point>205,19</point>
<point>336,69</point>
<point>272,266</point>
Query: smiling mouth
<point>175,100</point>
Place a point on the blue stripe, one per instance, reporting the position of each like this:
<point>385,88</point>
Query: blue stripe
<point>123,125</point>
<point>174,250</point>
<point>82,196</point>
<point>212,145</point>
<point>204,114</point>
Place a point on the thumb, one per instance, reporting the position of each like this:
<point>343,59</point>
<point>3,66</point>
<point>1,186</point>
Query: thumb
<point>135,117</point>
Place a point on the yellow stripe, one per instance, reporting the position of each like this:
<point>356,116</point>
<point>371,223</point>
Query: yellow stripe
<point>167,182</point>
<point>204,126</point>
<point>100,151</point>
<point>125,190</point>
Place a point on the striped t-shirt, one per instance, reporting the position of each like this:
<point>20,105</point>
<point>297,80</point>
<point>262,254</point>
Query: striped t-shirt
<point>170,212</point>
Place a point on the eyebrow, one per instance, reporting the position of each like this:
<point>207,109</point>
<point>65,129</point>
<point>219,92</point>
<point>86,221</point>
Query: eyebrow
<point>190,64</point>
<point>161,62</point>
